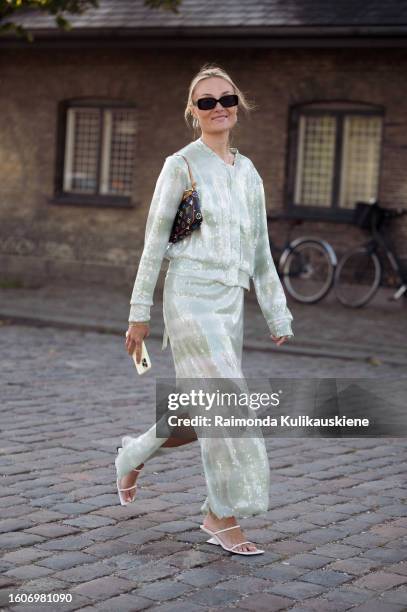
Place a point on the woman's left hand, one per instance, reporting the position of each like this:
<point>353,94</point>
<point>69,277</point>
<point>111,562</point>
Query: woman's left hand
<point>279,340</point>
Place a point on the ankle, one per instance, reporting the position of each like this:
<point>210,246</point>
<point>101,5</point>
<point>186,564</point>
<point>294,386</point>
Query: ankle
<point>134,471</point>
<point>225,521</point>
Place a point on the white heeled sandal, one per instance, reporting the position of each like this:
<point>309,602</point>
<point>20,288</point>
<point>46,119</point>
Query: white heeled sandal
<point>119,491</point>
<point>216,540</point>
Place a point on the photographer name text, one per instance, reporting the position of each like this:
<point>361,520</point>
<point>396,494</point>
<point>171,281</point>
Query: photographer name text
<point>267,421</point>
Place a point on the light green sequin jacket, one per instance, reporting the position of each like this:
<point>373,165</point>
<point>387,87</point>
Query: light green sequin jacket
<point>231,246</point>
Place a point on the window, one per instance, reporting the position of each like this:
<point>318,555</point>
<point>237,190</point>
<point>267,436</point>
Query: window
<point>97,153</point>
<point>334,158</point>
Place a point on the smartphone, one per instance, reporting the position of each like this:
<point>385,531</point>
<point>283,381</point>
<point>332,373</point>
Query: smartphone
<point>145,363</point>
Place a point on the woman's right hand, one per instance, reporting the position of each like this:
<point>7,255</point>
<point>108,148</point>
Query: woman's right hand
<point>134,338</point>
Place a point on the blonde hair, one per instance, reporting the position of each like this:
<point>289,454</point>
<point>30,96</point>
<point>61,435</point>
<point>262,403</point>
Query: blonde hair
<point>206,71</point>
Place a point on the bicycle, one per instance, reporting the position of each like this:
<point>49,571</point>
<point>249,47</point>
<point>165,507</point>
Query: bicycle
<point>360,270</point>
<point>306,265</point>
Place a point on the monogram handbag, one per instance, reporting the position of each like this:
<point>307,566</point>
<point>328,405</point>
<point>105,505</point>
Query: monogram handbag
<point>189,214</point>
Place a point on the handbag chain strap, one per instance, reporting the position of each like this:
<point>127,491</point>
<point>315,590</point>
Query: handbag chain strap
<point>189,170</point>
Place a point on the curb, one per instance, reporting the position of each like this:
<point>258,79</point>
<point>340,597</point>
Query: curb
<point>334,352</point>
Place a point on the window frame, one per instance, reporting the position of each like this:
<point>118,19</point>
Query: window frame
<point>85,199</point>
<point>317,108</point>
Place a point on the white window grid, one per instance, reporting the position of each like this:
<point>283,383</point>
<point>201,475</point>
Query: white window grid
<point>360,160</point>
<point>99,151</point>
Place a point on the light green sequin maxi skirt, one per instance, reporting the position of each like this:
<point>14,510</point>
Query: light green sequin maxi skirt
<point>204,322</point>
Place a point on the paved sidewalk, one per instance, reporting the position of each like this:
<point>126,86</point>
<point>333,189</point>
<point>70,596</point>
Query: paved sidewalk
<point>374,334</point>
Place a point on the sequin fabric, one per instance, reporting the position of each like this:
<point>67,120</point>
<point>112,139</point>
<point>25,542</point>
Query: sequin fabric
<point>231,246</point>
<point>204,319</point>
<point>203,308</point>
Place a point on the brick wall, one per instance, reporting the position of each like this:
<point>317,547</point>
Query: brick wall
<point>41,241</point>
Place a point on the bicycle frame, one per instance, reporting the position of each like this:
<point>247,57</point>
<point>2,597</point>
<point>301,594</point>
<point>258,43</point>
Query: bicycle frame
<point>372,246</point>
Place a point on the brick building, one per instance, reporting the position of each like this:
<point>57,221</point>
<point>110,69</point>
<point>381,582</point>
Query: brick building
<point>89,115</point>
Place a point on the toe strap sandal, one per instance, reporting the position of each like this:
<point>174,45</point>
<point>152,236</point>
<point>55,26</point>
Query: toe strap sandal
<point>120,491</point>
<point>216,540</point>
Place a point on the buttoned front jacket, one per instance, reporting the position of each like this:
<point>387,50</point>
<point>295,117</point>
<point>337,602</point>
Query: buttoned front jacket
<point>231,246</point>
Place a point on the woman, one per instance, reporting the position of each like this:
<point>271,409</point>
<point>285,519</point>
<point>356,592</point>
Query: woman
<point>203,299</point>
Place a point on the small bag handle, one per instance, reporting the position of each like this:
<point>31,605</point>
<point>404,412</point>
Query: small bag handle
<point>189,171</point>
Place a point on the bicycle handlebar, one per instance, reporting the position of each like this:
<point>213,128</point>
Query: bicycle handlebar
<point>386,212</point>
<point>392,213</point>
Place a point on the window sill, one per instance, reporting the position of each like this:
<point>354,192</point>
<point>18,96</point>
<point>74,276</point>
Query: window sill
<point>76,199</point>
<point>313,214</point>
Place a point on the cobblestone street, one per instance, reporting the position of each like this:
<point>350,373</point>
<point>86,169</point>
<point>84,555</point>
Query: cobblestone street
<point>335,534</point>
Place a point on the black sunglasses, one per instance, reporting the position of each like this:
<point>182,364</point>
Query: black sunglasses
<point>209,103</point>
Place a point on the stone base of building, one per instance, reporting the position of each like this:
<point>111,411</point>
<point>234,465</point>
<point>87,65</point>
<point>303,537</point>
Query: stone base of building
<point>32,272</point>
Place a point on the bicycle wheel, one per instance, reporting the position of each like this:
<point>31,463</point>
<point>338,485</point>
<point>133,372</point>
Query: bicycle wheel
<point>307,269</point>
<point>357,277</point>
